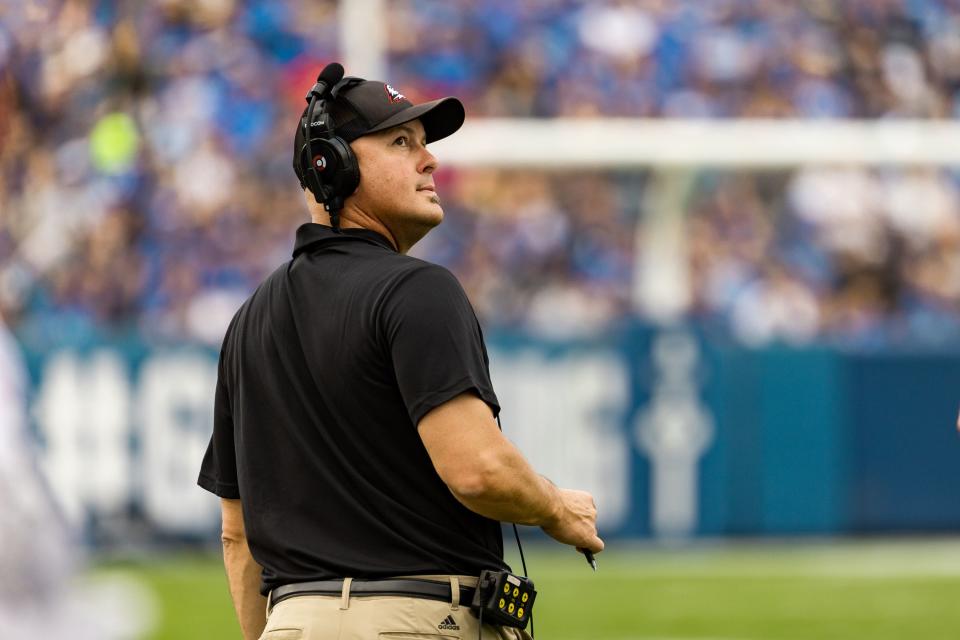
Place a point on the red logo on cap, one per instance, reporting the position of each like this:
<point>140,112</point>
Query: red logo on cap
<point>395,96</point>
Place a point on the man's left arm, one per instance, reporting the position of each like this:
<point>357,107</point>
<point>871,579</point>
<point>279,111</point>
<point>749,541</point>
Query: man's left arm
<point>243,572</point>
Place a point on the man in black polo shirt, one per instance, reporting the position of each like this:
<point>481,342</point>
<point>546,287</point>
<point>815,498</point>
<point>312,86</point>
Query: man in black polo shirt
<point>354,436</point>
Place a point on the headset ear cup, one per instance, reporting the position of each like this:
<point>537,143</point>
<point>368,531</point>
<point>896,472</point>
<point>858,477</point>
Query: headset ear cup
<point>336,165</point>
<point>309,177</point>
<point>345,174</point>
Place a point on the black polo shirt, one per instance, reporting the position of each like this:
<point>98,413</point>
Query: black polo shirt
<point>323,376</point>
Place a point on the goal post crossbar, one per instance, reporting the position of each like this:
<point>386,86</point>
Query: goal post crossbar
<point>762,144</point>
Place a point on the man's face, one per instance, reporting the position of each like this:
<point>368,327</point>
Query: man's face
<point>396,181</point>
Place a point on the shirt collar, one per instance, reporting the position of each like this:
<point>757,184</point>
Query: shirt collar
<point>311,233</point>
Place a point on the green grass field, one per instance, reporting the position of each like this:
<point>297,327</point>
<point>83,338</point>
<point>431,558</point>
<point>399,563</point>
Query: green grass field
<point>758,591</point>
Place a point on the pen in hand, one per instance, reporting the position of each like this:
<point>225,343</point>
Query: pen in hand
<point>590,559</point>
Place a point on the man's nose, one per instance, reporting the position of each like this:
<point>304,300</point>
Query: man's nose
<point>429,163</point>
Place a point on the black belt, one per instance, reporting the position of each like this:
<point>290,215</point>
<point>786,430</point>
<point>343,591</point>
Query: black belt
<point>386,587</point>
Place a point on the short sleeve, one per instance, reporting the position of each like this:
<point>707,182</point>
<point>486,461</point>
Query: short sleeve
<point>218,471</point>
<point>435,342</point>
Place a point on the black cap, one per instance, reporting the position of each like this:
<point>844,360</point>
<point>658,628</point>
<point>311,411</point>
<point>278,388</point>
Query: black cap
<point>359,107</point>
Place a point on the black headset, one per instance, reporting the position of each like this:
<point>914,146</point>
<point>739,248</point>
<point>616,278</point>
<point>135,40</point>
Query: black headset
<point>328,165</point>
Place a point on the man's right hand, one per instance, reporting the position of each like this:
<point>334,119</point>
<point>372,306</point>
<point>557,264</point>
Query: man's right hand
<point>489,476</point>
<point>575,522</point>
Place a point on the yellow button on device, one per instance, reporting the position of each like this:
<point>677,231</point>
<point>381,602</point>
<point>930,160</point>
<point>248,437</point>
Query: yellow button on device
<point>525,597</point>
<point>502,603</point>
<point>511,608</point>
<point>520,612</point>
<point>516,592</point>
<point>506,588</point>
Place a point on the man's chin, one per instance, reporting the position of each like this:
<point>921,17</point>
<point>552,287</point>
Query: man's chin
<point>419,225</point>
<point>431,216</point>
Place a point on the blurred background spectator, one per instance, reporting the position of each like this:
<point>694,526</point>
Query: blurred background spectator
<point>41,591</point>
<point>145,181</point>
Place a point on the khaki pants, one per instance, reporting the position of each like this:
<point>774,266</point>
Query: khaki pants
<point>347,617</point>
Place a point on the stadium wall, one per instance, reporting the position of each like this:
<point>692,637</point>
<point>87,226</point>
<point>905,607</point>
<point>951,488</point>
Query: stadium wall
<point>675,434</point>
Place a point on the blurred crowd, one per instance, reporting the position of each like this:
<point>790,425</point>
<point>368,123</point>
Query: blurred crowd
<point>859,258</point>
<point>685,58</point>
<point>145,180</point>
